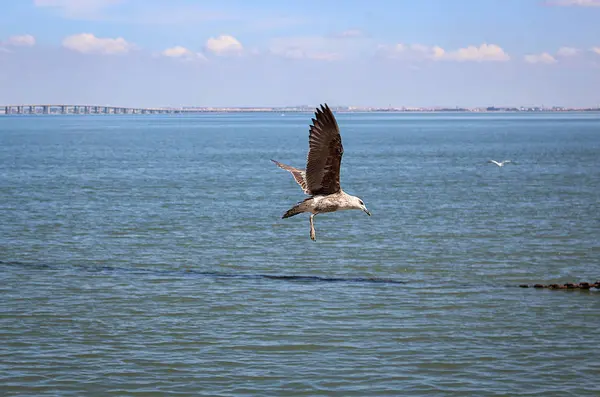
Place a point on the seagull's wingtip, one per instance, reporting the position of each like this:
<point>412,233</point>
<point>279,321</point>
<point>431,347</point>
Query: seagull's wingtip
<point>323,107</point>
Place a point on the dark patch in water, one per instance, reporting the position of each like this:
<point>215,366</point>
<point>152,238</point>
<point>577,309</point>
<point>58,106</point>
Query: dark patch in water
<point>23,264</point>
<point>278,277</point>
<point>569,286</point>
<point>196,273</point>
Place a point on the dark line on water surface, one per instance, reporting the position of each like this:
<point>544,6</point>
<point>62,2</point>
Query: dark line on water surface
<point>258,276</point>
<point>197,273</point>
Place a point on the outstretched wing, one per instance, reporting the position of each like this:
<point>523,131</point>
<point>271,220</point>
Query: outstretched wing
<point>495,162</point>
<point>325,152</point>
<point>298,175</point>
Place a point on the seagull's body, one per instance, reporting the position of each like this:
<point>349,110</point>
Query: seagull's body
<point>499,163</point>
<point>321,179</point>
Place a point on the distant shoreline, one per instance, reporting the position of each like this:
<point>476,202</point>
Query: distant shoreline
<point>103,109</point>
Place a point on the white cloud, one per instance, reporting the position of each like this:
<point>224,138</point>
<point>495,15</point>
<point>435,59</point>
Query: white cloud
<point>224,45</point>
<point>25,40</point>
<point>485,52</point>
<point>182,53</point>
<point>177,52</point>
<point>87,43</point>
<point>567,51</point>
<point>596,50</point>
<point>540,58</point>
<point>576,3</point>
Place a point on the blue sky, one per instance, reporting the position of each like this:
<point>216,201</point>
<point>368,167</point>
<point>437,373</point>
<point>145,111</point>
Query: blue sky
<point>275,53</point>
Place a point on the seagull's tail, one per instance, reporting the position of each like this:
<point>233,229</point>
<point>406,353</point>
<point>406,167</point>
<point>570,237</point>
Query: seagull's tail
<point>295,210</point>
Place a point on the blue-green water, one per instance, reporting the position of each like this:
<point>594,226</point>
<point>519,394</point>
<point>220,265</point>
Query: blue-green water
<point>146,255</point>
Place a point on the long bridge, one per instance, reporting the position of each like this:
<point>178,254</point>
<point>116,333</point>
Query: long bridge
<point>84,109</point>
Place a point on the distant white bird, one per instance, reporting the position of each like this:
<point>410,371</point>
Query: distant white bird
<point>501,163</point>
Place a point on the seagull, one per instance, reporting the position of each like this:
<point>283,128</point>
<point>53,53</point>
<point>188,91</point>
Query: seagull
<point>501,163</point>
<point>321,179</point>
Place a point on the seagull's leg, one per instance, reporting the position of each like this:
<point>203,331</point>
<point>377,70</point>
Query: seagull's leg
<point>313,235</point>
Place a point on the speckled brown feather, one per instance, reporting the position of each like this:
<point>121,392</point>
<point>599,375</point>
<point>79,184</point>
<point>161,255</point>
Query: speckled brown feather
<point>324,154</point>
<point>298,175</point>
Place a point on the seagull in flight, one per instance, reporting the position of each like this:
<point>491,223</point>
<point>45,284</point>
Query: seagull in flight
<point>501,163</point>
<point>321,178</point>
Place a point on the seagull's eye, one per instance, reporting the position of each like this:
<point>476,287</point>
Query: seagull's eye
<point>361,203</point>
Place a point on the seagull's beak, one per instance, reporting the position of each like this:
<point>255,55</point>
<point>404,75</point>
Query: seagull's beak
<point>367,211</point>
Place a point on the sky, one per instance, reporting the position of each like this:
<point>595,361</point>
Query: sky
<point>396,53</point>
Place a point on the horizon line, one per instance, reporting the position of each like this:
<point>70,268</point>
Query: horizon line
<point>300,107</point>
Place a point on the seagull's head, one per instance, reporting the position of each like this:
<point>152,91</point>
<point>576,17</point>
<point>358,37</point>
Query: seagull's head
<point>359,205</point>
